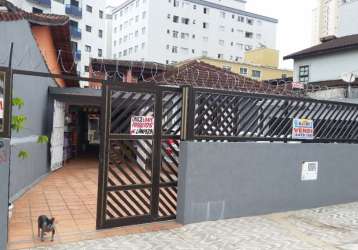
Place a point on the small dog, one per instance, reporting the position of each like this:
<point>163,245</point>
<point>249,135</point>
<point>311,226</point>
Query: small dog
<point>46,225</point>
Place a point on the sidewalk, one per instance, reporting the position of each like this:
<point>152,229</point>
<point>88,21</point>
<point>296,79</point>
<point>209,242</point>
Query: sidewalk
<point>327,228</point>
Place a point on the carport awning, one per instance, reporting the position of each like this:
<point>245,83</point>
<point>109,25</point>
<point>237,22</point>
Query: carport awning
<point>76,96</point>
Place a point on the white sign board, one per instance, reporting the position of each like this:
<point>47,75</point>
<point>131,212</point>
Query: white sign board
<point>298,85</point>
<point>302,129</point>
<point>309,171</point>
<point>142,125</point>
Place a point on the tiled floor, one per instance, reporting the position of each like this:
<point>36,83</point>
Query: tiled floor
<point>69,195</point>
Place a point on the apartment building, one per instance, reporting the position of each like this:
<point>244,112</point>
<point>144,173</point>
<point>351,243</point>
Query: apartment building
<point>169,31</point>
<point>87,26</point>
<point>334,18</point>
<point>348,18</point>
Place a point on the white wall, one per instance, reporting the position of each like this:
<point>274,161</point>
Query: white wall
<point>348,24</point>
<point>328,67</point>
<point>159,44</point>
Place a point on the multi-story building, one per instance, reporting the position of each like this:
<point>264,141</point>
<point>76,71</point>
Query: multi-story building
<point>325,19</point>
<point>348,18</point>
<point>259,64</point>
<point>169,31</point>
<point>87,26</point>
<point>334,18</point>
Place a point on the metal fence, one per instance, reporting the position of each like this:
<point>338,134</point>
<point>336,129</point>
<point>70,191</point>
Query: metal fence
<point>236,116</point>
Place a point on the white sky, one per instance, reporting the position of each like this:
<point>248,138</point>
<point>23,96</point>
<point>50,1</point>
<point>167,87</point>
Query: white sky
<point>294,27</point>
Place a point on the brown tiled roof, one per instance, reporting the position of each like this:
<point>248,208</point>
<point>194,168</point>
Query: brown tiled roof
<point>14,13</point>
<point>201,74</point>
<point>335,45</point>
<point>59,26</point>
<point>99,63</point>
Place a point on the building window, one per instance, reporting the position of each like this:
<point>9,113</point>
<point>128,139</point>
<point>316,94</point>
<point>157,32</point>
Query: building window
<point>143,30</point>
<point>89,8</point>
<point>88,28</point>
<point>136,19</point>
<point>240,19</point>
<point>222,28</point>
<point>88,48</point>
<point>205,38</point>
<point>304,73</point>
<point>144,14</point>
<point>243,71</point>
<point>221,42</point>
<point>222,14</point>
<point>205,25</point>
<point>185,20</point>
<point>184,35</point>
<point>204,53</point>
<point>256,73</point>
<point>143,45</point>
<point>175,19</point>
<point>86,69</point>
<point>249,34</point>
<point>220,56</point>
<point>100,52</point>
<point>175,34</point>
<point>250,21</point>
<point>175,49</point>
<point>205,10</point>
<point>37,10</point>
<point>227,67</point>
<point>100,33</point>
<point>176,3</point>
<point>101,14</point>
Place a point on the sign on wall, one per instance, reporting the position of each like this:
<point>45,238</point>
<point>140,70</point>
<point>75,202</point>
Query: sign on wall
<point>302,129</point>
<point>142,125</point>
<point>298,85</point>
<point>309,171</point>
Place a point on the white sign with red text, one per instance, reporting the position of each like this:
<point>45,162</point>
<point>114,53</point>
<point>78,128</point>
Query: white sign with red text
<point>298,85</point>
<point>142,125</point>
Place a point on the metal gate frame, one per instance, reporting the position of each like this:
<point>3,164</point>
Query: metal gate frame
<point>106,136</point>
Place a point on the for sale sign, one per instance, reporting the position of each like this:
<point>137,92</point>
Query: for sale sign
<point>302,129</point>
<point>142,125</point>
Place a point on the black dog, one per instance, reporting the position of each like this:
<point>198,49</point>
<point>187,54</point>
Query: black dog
<point>46,225</point>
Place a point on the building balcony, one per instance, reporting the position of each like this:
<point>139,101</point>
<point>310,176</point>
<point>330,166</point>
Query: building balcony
<point>44,3</point>
<point>73,10</point>
<point>77,55</point>
<point>75,32</point>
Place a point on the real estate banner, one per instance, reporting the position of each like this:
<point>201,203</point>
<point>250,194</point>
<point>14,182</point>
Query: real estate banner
<point>302,129</point>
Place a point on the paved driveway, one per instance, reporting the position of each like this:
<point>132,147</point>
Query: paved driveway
<point>327,228</point>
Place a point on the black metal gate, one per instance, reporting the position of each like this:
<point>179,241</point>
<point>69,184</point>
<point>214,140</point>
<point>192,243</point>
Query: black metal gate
<point>138,179</point>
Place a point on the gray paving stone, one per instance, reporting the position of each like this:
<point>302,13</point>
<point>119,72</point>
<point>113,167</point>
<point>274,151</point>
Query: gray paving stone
<point>326,228</point>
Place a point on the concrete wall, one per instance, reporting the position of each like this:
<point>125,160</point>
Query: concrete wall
<point>228,180</point>
<point>328,67</point>
<point>4,174</point>
<point>34,92</point>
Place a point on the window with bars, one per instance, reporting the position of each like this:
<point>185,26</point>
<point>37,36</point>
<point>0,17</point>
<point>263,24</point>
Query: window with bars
<point>304,73</point>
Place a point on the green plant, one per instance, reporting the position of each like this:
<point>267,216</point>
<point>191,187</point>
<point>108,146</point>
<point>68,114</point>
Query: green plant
<point>18,123</point>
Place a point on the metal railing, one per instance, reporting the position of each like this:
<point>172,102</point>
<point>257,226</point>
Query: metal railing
<point>46,3</point>
<point>75,32</point>
<point>221,115</point>
<point>73,10</point>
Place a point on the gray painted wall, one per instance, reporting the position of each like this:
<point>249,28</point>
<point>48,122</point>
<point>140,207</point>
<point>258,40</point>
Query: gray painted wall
<point>229,180</point>
<point>4,174</point>
<point>34,92</point>
<point>328,67</point>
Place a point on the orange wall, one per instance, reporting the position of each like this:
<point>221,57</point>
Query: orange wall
<point>45,43</point>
